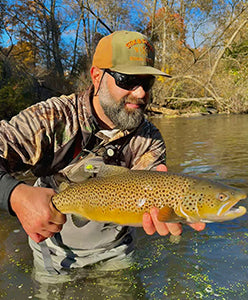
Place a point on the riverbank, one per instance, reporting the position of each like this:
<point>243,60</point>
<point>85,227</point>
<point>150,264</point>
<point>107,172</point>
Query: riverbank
<point>161,111</point>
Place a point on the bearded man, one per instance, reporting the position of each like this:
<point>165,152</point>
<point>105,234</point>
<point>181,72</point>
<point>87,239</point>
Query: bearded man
<point>106,121</point>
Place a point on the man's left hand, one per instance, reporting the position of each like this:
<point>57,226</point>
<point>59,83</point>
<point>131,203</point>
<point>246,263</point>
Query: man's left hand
<point>151,224</point>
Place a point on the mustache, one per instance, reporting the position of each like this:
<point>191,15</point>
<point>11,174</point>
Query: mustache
<point>138,101</point>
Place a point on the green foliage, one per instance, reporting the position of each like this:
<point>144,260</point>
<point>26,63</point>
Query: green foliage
<point>239,49</point>
<point>15,96</point>
<point>17,88</point>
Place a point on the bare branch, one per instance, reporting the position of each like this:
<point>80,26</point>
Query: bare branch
<point>222,51</point>
<point>198,82</point>
<point>98,18</point>
<point>153,16</point>
<point>218,38</point>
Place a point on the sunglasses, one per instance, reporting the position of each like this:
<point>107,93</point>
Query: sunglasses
<point>131,82</point>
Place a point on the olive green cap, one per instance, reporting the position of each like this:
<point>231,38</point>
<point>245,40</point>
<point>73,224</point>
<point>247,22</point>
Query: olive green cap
<point>127,52</point>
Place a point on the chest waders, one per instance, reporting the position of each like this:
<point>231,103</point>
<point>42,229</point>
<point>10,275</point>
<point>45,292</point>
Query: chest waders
<point>99,241</point>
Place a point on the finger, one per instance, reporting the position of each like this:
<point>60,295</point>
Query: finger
<point>46,234</point>
<point>174,228</point>
<point>198,226</point>
<point>161,227</point>
<point>57,217</point>
<point>148,224</point>
<point>36,237</point>
<point>161,168</point>
<point>53,227</point>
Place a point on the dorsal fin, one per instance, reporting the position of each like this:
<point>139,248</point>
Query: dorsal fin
<point>63,186</point>
<point>109,170</point>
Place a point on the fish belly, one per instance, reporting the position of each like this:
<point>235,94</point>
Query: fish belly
<point>109,216</point>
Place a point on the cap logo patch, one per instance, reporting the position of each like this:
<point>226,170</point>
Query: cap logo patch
<point>139,49</point>
<point>132,43</point>
<point>136,58</point>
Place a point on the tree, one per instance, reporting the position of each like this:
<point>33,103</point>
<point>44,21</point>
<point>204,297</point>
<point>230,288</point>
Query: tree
<point>198,70</point>
<point>38,24</point>
<point>198,42</point>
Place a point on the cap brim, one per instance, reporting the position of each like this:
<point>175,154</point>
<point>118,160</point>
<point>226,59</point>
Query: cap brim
<point>139,70</point>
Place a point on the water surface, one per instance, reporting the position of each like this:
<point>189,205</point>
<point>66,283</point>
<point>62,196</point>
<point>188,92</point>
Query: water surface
<point>207,265</point>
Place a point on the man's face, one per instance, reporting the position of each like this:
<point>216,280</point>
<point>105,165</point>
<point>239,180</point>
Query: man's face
<point>124,108</point>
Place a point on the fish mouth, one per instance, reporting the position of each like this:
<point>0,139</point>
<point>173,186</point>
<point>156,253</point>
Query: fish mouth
<point>227,212</point>
<point>230,214</point>
<point>233,212</point>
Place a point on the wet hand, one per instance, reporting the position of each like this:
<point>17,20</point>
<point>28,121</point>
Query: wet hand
<point>34,209</point>
<point>151,224</point>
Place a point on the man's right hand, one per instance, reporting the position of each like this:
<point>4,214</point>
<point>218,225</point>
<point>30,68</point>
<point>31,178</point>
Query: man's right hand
<point>35,211</point>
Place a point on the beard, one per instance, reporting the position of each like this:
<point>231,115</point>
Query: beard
<point>122,117</point>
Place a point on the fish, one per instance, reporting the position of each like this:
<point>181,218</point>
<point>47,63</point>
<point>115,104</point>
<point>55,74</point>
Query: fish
<point>120,195</point>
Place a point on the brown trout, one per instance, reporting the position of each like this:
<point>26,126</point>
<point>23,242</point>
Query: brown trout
<point>122,196</point>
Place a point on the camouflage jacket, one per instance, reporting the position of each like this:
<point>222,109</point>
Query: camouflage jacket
<point>45,137</point>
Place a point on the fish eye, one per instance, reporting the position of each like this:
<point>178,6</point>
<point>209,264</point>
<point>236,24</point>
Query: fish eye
<point>223,197</point>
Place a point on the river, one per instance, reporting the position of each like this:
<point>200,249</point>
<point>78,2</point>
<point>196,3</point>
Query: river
<point>211,264</point>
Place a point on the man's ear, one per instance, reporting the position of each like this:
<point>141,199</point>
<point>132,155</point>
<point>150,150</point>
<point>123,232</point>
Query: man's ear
<point>96,75</point>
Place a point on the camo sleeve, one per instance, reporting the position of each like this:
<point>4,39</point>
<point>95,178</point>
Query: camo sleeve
<point>34,135</point>
<point>147,148</point>
<point>7,184</point>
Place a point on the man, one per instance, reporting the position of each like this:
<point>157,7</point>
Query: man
<point>56,136</point>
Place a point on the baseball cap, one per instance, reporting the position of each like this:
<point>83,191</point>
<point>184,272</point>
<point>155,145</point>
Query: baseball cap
<point>126,52</point>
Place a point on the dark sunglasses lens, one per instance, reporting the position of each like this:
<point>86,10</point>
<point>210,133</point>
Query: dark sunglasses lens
<point>129,82</point>
<point>148,83</point>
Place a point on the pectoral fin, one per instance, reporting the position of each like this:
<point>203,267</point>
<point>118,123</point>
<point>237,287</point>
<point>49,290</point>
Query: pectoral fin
<point>79,221</point>
<point>167,214</point>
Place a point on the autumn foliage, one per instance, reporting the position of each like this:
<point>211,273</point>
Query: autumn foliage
<point>46,49</point>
